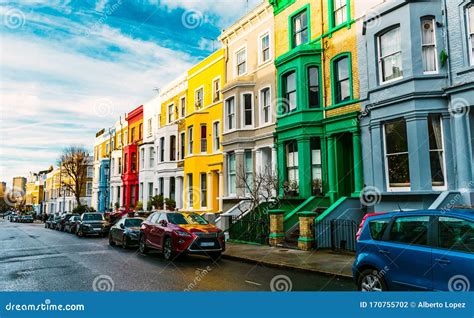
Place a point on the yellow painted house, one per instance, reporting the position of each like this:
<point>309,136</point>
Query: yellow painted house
<point>203,180</point>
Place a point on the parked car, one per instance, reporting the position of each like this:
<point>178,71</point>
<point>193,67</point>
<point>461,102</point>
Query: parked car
<point>14,218</point>
<point>71,224</point>
<point>62,222</point>
<point>54,222</point>
<point>92,224</point>
<point>416,250</point>
<point>27,219</point>
<point>47,223</point>
<point>175,233</point>
<point>126,232</point>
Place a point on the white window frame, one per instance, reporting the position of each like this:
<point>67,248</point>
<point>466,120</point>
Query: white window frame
<point>201,188</point>
<point>242,110</point>
<point>470,33</point>
<point>150,127</point>
<point>260,47</point>
<point>189,186</point>
<point>202,139</point>
<point>142,159</point>
<point>262,106</point>
<point>433,24</point>
<point>231,176</point>
<point>226,114</point>
<point>196,106</point>
<point>387,177</point>
<point>182,101</point>
<point>443,144</point>
<point>151,157</point>
<point>182,155</point>
<point>216,136</point>
<point>214,91</point>
<point>236,65</point>
<point>170,114</point>
<point>190,143</point>
<point>380,58</point>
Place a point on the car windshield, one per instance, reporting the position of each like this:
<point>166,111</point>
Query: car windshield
<point>92,217</point>
<point>133,222</point>
<point>186,218</point>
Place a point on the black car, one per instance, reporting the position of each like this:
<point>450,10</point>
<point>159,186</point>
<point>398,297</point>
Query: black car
<point>62,222</point>
<point>71,223</point>
<point>92,224</point>
<point>126,232</point>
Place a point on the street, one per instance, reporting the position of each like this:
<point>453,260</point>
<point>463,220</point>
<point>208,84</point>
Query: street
<point>33,258</point>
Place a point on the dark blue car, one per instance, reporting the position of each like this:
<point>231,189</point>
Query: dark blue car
<point>417,250</point>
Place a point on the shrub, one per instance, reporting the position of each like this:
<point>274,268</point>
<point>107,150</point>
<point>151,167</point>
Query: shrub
<point>170,204</point>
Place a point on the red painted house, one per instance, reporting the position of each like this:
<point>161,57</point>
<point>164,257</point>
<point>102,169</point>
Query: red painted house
<point>130,158</point>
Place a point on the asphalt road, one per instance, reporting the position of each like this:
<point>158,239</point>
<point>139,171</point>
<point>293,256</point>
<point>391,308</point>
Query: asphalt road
<point>33,258</point>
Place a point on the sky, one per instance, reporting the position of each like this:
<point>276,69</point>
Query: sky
<point>70,68</point>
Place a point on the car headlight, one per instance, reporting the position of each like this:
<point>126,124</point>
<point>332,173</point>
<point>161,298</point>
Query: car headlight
<point>182,233</point>
<point>86,225</point>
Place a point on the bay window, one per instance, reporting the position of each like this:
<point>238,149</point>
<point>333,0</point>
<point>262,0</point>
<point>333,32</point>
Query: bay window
<point>203,138</point>
<point>396,155</point>
<point>390,56</point>
<point>292,163</point>
<point>247,110</point>
<point>190,140</point>
<point>248,171</point>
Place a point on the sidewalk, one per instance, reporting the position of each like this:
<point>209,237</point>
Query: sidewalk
<point>316,261</point>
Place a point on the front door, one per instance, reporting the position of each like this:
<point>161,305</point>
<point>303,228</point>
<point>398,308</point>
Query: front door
<point>453,259</point>
<point>344,164</point>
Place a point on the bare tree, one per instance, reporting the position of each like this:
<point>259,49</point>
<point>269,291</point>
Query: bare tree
<point>259,187</point>
<point>73,163</point>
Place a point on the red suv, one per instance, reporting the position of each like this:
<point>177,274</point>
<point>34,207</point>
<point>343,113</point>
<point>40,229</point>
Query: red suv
<point>175,233</point>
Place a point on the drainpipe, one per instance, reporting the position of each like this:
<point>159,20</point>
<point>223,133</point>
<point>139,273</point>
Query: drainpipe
<point>446,40</point>
<point>323,54</point>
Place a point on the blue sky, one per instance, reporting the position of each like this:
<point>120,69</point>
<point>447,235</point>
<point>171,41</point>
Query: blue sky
<point>69,68</point>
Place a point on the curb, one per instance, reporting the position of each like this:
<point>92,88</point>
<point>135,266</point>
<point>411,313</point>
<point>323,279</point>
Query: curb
<point>275,265</point>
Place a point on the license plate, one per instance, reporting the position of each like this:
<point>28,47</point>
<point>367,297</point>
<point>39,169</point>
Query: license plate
<point>97,229</point>
<point>205,244</point>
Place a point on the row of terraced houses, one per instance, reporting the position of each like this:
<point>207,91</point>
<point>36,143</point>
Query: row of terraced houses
<point>354,105</point>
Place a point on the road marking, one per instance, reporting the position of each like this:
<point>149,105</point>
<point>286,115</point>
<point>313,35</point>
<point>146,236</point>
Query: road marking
<point>91,252</point>
<point>253,283</point>
<point>47,246</point>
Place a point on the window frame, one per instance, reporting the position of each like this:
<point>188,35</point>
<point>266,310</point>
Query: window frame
<point>434,44</point>
<point>263,106</point>
<point>172,147</point>
<point>218,92</point>
<point>226,114</point>
<point>182,148</point>
<point>380,58</point>
<point>196,106</point>
<point>171,114</point>
<point>436,228</point>
<point>387,236</point>
<point>284,80</point>
<point>261,54</point>
<point>469,32</point>
<point>318,67</point>
<point>190,141</point>
<point>244,63</point>
<point>182,105</point>
<point>216,136</point>
<point>387,177</point>
<point>443,150</point>
<point>335,77</point>
<point>243,110</point>
<point>334,10</point>
<point>291,19</point>
<point>203,192</point>
<point>203,141</point>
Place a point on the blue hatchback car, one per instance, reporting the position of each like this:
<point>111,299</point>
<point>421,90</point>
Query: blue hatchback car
<point>416,250</point>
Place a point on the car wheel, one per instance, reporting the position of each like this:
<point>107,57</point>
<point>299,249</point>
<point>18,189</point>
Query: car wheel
<point>80,233</point>
<point>215,255</point>
<point>168,253</point>
<point>371,280</point>
<point>111,240</point>
<point>142,247</point>
<point>124,242</point>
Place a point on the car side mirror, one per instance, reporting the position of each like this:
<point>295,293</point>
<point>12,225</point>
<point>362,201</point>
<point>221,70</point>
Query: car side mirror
<point>163,223</point>
<point>122,226</point>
